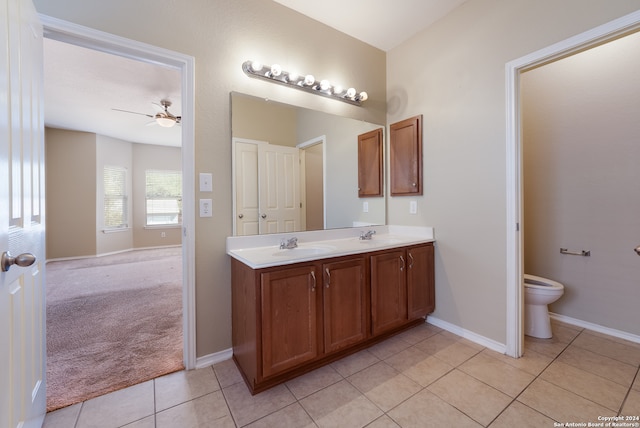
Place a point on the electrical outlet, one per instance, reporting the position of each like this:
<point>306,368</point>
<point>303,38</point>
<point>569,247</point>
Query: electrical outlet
<point>163,234</point>
<point>413,207</point>
<point>206,209</point>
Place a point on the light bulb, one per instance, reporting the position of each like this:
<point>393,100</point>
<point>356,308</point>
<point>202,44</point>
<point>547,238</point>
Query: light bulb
<point>363,96</point>
<point>276,70</point>
<point>337,90</point>
<point>165,122</point>
<point>324,85</point>
<point>293,77</point>
<point>351,92</point>
<point>309,80</point>
<point>256,65</point>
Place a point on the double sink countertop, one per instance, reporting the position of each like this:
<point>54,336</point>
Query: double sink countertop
<point>260,251</point>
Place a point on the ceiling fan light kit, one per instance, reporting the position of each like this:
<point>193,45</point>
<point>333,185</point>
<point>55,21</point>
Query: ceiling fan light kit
<point>308,83</point>
<point>163,117</point>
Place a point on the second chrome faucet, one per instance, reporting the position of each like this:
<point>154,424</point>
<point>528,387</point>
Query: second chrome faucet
<point>289,244</point>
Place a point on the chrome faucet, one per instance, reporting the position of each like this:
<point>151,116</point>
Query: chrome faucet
<point>289,244</point>
<point>367,235</point>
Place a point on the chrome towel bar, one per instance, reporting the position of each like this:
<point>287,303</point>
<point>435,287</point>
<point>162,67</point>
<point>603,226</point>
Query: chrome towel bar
<point>575,253</point>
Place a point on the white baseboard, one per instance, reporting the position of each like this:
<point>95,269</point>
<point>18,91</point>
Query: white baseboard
<point>596,327</point>
<point>215,358</point>
<point>474,337</point>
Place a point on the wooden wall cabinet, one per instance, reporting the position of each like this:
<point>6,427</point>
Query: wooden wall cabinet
<point>370,171</point>
<point>405,157</point>
<point>291,319</point>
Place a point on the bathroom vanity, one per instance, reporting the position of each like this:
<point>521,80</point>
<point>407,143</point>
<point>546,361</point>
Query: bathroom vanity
<point>294,310</point>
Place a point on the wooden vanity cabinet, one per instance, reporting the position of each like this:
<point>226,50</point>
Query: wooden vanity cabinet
<point>405,157</point>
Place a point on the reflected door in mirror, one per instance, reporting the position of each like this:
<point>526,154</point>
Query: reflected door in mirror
<point>370,163</point>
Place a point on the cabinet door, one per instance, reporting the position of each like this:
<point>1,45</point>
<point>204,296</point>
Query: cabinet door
<point>344,303</point>
<point>420,281</point>
<point>370,164</point>
<point>388,291</point>
<point>405,147</point>
<point>289,325</point>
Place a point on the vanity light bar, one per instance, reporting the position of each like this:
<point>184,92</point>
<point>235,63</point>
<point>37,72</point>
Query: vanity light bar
<point>307,83</point>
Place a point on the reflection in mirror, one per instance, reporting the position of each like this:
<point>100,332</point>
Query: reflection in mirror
<point>296,169</point>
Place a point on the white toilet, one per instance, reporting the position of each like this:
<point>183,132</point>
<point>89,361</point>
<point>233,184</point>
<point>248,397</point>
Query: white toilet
<point>538,293</point>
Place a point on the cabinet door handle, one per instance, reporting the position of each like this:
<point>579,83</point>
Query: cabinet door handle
<point>402,267</point>
<point>410,261</point>
<point>328,276</point>
<point>313,282</point>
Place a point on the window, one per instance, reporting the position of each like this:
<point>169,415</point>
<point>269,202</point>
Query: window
<point>116,209</point>
<point>163,197</point>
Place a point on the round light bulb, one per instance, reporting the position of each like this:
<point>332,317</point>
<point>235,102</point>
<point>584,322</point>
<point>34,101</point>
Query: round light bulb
<point>309,80</point>
<point>324,85</point>
<point>276,70</point>
<point>363,96</point>
<point>293,77</point>
<point>256,65</point>
<point>337,90</point>
<point>351,92</point>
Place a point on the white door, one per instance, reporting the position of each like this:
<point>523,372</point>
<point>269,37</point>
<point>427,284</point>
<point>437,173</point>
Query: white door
<point>279,188</point>
<point>22,299</point>
<point>246,182</point>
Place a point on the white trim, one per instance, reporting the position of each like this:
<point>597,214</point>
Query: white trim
<point>97,40</point>
<point>466,334</point>
<point>589,38</point>
<point>312,142</point>
<point>596,327</point>
<point>321,139</point>
<point>215,358</point>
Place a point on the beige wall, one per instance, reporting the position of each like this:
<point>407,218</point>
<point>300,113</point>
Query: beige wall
<point>581,180</point>
<point>313,187</point>
<point>70,159</point>
<point>254,119</point>
<point>221,35</point>
<point>454,74</point>
<point>145,157</point>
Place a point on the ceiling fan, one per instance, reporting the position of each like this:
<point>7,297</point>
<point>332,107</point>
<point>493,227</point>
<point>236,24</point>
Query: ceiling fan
<point>163,116</point>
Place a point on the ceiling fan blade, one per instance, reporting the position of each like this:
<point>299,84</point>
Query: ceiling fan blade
<point>133,112</point>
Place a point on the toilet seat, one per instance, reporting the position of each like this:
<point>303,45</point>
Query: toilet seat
<point>539,283</point>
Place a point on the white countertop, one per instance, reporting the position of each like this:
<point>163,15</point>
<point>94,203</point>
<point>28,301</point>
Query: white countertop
<point>260,251</point>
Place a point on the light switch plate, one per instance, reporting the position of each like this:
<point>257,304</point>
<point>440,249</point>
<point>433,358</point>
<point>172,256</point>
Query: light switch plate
<point>206,182</point>
<point>206,209</point>
<point>365,207</point>
<point>413,207</point>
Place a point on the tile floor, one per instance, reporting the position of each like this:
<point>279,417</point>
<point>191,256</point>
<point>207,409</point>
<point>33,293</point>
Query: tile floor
<point>424,377</point>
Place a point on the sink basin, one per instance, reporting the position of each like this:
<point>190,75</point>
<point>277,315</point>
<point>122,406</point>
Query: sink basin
<point>309,251</point>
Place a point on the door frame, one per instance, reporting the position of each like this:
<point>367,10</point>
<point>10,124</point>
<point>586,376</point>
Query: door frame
<point>514,269</point>
<point>74,34</point>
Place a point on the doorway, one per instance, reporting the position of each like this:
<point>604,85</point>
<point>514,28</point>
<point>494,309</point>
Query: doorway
<point>515,292</point>
<point>81,36</point>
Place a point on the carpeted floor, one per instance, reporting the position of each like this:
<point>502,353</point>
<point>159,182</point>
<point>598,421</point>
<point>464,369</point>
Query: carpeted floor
<point>112,322</point>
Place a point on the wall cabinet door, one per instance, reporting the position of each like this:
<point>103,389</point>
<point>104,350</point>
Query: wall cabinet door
<point>370,164</point>
<point>405,147</point>
<point>344,303</point>
<point>289,318</point>
<point>388,291</point>
<point>420,281</point>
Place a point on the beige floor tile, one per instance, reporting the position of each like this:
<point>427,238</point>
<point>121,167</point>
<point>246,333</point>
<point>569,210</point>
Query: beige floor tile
<point>457,353</point>
<point>472,397</point>
<point>185,385</point>
<point>500,375</point>
<point>636,383</point>
<point>389,347</point>
<point>148,422</point>
<point>548,347</point>
<point>585,384</point>
<point>63,418</point>
<point>614,370</point>
<point>227,373</point>
<point>292,416</point>
<point>314,381</point>
<point>521,416</point>
<point>560,404</point>
<point>384,385</point>
<point>340,405</point>
<point>609,348</point>
<point>383,421</point>
<point>207,411</point>
<point>406,359</point>
<point>118,408</point>
<point>615,339</point>
<point>564,333</point>
<point>428,371</point>
<point>435,343</point>
<point>531,362</point>
<point>419,333</point>
<point>354,363</point>
<point>247,408</point>
<point>462,340</point>
<point>426,410</point>
<point>632,405</point>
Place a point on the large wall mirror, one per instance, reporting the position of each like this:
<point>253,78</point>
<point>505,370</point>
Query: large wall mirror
<point>295,169</point>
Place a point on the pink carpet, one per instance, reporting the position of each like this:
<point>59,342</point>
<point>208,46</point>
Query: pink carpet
<point>112,322</point>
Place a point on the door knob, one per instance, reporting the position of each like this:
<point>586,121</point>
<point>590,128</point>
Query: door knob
<point>24,260</point>
<point>240,215</point>
<point>263,216</point>
<point>637,250</point>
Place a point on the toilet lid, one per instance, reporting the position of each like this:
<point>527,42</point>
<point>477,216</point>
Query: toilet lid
<point>538,281</point>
